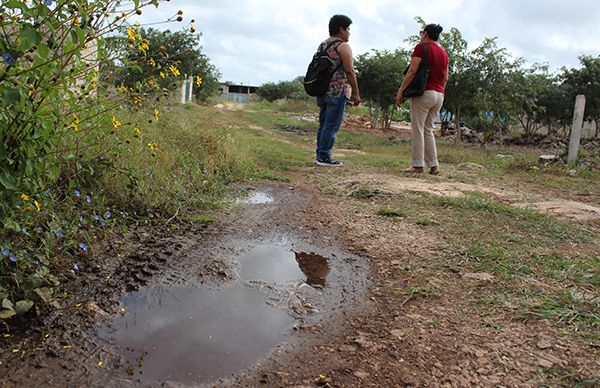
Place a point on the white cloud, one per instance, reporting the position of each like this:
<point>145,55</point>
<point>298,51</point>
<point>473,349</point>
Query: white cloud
<point>256,41</point>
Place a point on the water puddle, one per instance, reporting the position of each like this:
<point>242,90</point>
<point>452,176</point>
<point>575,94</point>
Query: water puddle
<point>195,335</point>
<point>255,198</point>
<point>278,264</point>
<point>198,335</point>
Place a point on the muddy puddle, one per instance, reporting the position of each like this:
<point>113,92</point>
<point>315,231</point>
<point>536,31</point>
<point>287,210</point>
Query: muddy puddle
<point>190,335</point>
<point>255,198</point>
<point>194,335</point>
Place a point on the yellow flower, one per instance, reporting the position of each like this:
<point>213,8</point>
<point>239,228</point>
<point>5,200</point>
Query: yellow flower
<point>75,123</point>
<point>37,205</point>
<point>153,146</point>
<point>193,28</point>
<point>122,89</point>
<point>138,132</point>
<point>156,114</point>
<point>138,25</point>
<point>144,46</point>
<point>198,80</point>
<point>131,33</point>
<point>174,70</point>
<point>25,197</point>
<point>152,62</point>
<point>116,123</point>
<point>75,22</point>
<point>162,74</point>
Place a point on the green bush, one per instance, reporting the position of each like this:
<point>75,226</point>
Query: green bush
<point>65,137</point>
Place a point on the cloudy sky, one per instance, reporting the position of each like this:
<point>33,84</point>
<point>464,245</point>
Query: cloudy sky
<point>257,41</point>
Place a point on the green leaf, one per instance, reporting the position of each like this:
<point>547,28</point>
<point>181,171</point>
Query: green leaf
<point>28,38</point>
<point>43,51</point>
<point>5,314</point>
<point>11,225</point>
<point>7,304</point>
<point>10,96</point>
<point>23,306</point>
<point>20,4</point>
<point>44,293</point>
<point>8,181</point>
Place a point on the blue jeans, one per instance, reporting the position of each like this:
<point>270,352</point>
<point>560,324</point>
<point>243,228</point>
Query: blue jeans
<point>330,119</point>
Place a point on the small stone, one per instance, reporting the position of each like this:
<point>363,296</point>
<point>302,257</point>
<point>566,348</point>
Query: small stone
<point>361,374</point>
<point>483,276</point>
<point>545,159</point>
<point>347,349</point>
<point>397,333</point>
<point>572,172</point>
<point>543,344</point>
<point>471,166</point>
<point>545,363</point>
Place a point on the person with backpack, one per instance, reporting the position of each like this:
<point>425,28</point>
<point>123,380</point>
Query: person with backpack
<point>334,57</point>
<point>426,103</point>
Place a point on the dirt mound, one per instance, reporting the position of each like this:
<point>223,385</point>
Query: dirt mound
<point>396,185</point>
<point>566,209</point>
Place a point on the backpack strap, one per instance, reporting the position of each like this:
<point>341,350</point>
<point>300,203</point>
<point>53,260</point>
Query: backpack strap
<point>331,44</point>
<point>336,50</point>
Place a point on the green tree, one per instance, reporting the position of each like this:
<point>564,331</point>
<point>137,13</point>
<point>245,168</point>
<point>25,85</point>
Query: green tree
<point>557,107</point>
<point>586,81</point>
<point>461,88</point>
<point>495,106</point>
<point>379,75</point>
<point>531,86</point>
<point>293,90</point>
<point>168,54</point>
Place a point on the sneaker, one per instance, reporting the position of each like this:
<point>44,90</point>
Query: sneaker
<point>328,162</point>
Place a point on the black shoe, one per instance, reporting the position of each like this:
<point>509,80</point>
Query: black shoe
<point>328,162</point>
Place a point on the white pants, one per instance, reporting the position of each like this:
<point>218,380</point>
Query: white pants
<point>423,111</point>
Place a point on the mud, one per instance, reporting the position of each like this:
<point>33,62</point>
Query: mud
<point>197,304</point>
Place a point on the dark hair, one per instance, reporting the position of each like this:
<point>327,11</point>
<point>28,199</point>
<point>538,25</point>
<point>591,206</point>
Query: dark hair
<point>338,21</point>
<point>433,31</point>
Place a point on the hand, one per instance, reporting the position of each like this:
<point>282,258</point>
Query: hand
<point>399,99</point>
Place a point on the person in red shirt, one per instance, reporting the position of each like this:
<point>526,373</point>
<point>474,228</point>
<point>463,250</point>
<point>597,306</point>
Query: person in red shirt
<point>424,109</point>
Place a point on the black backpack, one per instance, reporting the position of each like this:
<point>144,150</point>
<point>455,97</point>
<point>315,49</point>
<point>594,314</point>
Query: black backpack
<point>319,73</point>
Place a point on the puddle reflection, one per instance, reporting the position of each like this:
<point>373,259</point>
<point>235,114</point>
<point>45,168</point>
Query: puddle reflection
<point>192,335</point>
<point>196,334</point>
<point>256,198</point>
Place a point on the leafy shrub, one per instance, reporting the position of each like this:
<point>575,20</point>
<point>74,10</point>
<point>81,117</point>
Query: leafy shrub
<point>64,136</point>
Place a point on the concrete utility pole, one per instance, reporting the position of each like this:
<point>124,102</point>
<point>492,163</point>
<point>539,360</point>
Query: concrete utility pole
<point>576,128</point>
<point>187,88</point>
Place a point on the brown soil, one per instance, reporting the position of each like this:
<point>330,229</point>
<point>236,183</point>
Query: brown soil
<point>386,337</point>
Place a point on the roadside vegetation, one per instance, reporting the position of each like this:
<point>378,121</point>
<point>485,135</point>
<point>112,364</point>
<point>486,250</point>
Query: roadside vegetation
<point>83,153</point>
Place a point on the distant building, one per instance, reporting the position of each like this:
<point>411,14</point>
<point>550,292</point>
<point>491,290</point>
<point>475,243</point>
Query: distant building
<point>237,93</point>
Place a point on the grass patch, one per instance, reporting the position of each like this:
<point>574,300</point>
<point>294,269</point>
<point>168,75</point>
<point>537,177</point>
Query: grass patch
<point>204,218</point>
<point>567,307</point>
<point>391,212</point>
<point>365,193</point>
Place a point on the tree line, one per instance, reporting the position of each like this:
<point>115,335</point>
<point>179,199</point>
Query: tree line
<point>488,89</point>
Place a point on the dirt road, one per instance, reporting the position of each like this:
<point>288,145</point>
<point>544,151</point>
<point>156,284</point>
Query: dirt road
<point>349,297</point>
